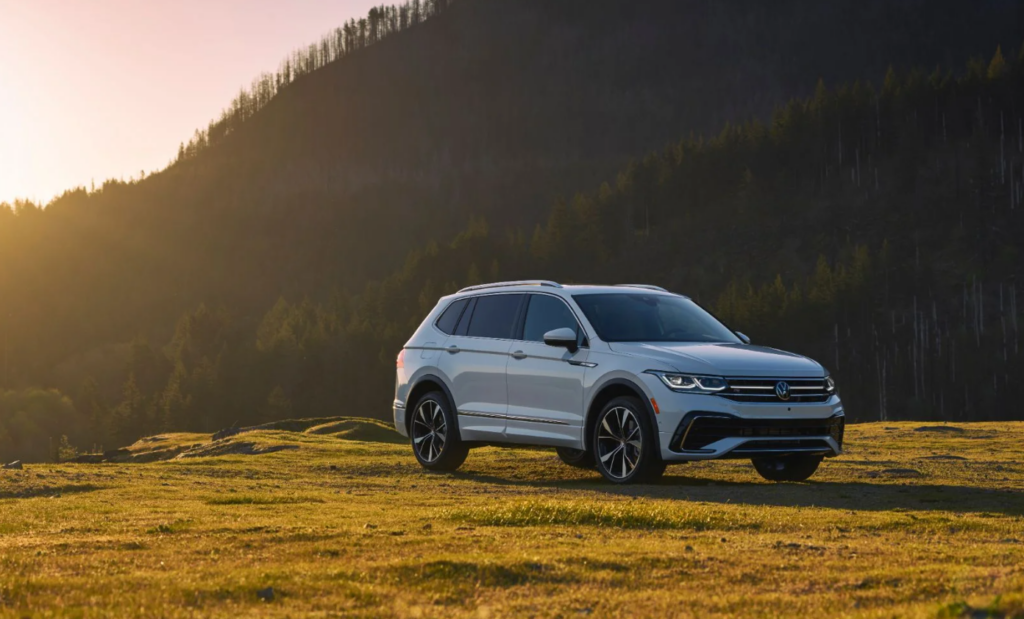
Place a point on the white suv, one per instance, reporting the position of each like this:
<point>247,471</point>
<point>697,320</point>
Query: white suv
<point>625,378</point>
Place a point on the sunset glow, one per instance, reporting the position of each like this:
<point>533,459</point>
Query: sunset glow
<point>109,88</point>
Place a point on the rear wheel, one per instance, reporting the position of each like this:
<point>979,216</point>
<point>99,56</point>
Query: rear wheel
<point>435,435</point>
<point>579,458</point>
<point>625,448</point>
<point>787,468</point>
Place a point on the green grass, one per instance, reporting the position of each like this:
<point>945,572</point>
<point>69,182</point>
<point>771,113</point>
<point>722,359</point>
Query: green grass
<point>632,515</point>
<point>262,499</point>
<point>906,523</point>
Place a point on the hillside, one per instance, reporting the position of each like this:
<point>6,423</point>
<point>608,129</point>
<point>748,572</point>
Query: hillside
<point>874,228</point>
<point>913,521</point>
<point>239,284</point>
<point>492,108</point>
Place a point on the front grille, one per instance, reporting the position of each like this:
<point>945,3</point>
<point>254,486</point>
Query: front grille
<point>702,430</point>
<point>801,390</point>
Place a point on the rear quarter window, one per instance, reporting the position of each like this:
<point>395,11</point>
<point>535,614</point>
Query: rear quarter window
<point>450,317</point>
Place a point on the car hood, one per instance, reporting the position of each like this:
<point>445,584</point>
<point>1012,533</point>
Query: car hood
<point>724,359</point>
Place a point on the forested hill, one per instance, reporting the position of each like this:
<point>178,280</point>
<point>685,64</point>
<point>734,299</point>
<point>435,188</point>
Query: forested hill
<point>876,228</point>
<point>490,108</point>
<point>390,137</point>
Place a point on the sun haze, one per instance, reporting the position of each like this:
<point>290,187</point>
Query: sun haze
<point>109,88</point>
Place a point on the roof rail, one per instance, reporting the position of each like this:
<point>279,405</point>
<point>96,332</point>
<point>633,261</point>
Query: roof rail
<point>523,282</point>
<point>644,286</point>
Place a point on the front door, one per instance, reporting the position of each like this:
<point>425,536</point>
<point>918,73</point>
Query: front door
<point>545,383</point>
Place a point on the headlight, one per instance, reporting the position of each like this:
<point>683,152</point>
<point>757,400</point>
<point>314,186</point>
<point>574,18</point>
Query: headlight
<point>830,385</point>
<point>690,383</point>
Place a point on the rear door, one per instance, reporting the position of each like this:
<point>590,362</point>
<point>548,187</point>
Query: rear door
<point>545,383</point>
<point>474,359</point>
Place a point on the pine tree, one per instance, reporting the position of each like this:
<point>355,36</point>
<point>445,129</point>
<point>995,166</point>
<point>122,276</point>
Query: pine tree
<point>278,405</point>
<point>473,277</point>
<point>129,418</point>
<point>174,403</point>
<point>822,287</point>
<point>997,66</point>
<point>90,405</point>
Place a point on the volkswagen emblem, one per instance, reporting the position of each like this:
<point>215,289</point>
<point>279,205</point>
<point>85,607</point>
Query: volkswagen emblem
<point>782,390</point>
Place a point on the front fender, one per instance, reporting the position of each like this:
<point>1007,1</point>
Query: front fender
<point>617,382</point>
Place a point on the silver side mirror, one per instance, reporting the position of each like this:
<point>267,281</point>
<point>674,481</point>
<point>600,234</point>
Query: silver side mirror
<point>746,340</point>
<point>562,338</point>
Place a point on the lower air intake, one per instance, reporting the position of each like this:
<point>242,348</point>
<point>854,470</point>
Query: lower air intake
<point>699,431</point>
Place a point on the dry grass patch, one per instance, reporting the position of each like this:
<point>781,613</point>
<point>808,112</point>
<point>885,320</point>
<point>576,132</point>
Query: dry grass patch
<point>636,514</point>
<point>355,528</point>
<point>262,499</point>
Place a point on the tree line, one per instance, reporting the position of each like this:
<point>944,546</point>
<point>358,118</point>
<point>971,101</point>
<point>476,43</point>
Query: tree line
<point>875,229</point>
<point>380,22</point>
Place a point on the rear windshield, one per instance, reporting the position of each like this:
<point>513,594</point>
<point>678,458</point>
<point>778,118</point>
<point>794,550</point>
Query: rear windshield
<point>651,318</point>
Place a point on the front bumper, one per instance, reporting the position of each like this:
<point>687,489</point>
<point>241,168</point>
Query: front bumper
<point>727,436</point>
<point>707,427</point>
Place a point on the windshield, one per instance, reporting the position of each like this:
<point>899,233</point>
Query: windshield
<point>651,318</point>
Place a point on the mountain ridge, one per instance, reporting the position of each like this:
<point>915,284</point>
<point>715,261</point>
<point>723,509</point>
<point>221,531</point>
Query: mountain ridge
<point>582,95</point>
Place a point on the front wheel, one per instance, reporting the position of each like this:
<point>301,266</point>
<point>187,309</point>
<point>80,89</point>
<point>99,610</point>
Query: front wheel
<point>787,468</point>
<point>624,443</point>
<point>435,435</point>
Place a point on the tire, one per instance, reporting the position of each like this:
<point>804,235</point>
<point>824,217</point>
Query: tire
<point>434,434</point>
<point>579,458</point>
<point>624,444</point>
<point>787,468</point>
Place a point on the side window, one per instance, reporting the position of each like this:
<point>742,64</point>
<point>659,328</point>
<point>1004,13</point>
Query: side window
<point>494,316</point>
<point>450,317</point>
<point>467,316</point>
<point>546,313</point>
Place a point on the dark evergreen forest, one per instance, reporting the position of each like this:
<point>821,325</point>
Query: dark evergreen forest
<point>836,179</point>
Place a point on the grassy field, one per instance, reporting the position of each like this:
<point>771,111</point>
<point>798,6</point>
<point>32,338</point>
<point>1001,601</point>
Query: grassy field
<point>914,520</point>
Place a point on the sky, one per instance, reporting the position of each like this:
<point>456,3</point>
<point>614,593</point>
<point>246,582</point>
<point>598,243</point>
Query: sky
<point>98,89</point>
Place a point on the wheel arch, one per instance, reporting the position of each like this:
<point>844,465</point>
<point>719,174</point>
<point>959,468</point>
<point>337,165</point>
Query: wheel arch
<point>614,388</point>
<point>422,386</point>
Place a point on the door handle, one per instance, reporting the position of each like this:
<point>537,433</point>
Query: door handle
<point>453,349</point>
<point>519,355</point>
